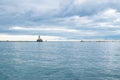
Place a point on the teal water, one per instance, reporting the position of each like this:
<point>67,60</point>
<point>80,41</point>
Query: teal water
<point>60,61</point>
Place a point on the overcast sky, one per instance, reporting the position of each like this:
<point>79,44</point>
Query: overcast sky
<point>60,19</point>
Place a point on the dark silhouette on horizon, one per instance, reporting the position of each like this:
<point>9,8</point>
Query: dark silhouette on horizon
<point>39,39</point>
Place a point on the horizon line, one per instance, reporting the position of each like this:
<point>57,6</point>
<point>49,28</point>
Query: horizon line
<point>61,41</point>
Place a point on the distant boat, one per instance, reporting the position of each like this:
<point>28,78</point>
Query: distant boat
<point>39,39</point>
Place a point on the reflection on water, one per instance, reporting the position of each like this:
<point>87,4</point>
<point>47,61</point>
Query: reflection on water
<point>60,61</point>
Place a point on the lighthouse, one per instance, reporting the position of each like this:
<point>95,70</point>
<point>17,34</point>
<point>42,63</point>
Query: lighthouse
<point>39,39</point>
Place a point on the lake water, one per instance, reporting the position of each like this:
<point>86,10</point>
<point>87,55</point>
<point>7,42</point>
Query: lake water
<point>60,61</point>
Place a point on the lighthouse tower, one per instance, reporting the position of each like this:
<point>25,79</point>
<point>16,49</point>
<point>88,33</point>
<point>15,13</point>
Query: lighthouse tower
<point>39,39</point>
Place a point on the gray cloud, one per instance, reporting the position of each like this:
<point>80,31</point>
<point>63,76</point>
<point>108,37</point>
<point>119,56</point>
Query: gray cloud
<point>100,17</point>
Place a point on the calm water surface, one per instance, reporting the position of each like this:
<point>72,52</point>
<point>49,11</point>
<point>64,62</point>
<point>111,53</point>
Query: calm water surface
<point>60,61</point>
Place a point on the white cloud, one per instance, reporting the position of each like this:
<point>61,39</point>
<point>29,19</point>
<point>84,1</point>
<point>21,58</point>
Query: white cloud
<point>79,2</point>
<point>59,29</point>
<point>107,14</point>
<point>108,18</point>
<point>51,29</point>
<point>110,12</point>
<point>5,37</point>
